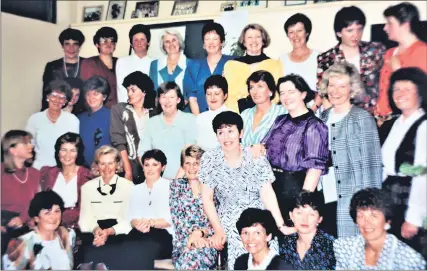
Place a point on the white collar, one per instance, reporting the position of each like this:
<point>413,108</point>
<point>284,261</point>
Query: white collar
<point>263,265</point>
<point>412,118</point>
<point>222,108</point>
<point>162,62</point>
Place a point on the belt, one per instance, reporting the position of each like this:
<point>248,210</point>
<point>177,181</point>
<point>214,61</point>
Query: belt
<point>278,169</point>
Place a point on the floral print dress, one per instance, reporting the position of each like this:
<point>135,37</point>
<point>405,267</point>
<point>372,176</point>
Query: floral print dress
<point>187,215</point>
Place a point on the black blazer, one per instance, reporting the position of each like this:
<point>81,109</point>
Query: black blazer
<point>276,263</point>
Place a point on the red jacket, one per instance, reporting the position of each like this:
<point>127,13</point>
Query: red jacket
<point>48,176</point>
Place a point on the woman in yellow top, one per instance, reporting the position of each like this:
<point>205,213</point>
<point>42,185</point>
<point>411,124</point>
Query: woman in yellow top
<point>253,39</point>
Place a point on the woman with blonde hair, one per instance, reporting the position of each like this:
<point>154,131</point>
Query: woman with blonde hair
<point>354,145</point>
<point>253,39</point>
<point>19,183</point>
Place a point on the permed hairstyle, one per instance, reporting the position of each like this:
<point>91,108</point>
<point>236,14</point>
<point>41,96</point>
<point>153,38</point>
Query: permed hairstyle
<point>104,150</point>
<point>311,199</point>
<point>165,88</point>
<point>264,35</point>
<point>61,86</point>
<point>98,84</point>
<point>218,81</point>
<point>264,76</point>
<point>357,90</point>
<point>371,198</point>
<point>299,18</point>
<point>300,84</point>
<point>252,216</point>
<point>145,84</point>
<point>213,27</point>
<point>155,154</point>
<point>193,151</point>
<point>105,32</point>
<point>414,75</point>
<point>71,34</point>
<point>140,28</point>
<point>173,33</point>
<point>74,139</point>
<point>44,200</point>
<point>10,140</point>
<point>227,119</point>
<point>346,17</point>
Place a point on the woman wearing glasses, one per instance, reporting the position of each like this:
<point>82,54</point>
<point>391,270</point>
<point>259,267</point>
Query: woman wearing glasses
<point>104,64</point>
<point>95,123</point>
<point>48,125</point>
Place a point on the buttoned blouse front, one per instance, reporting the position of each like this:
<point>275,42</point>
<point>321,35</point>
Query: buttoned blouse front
<point>67,190</point>
<point>95,206</point>
<point>169,138</point>
<point>151,203</point>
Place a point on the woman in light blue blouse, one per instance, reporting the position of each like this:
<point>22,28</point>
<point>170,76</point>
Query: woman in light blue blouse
<point>259,119</point>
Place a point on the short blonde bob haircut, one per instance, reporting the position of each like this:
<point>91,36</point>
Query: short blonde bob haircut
<point>9,141</point>
<point>193,151</point>
<point>264,35</point>
<point>357,89</point>
<point>173,33</point>
<point>106,149</point>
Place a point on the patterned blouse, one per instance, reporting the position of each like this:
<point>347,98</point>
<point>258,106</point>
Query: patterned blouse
<point>187,216</point>
<point>371,62</point>
<point>320,256</point>
<point>395,255</point>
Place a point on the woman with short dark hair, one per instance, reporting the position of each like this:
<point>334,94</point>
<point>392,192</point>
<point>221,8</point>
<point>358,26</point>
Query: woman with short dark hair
<point>128,122</point>
<point>76,104</point>
<point>49,246</point>
<point>374,249</point>
<point>198,70</point>
<point>404,27</point>
<point>104,64</point>
<point>171,130</point>
<point>95,123</point>
<point>48,125</point>
<point>68,176</point>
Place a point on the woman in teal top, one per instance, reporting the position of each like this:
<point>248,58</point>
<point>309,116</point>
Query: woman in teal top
<point>198,70</point>
<point>258,120</point>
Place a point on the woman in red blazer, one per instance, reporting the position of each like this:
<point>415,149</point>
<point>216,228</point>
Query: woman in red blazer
<point>68,176</point>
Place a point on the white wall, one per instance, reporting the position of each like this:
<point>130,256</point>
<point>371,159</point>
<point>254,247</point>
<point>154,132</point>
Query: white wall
<point>272,18</point>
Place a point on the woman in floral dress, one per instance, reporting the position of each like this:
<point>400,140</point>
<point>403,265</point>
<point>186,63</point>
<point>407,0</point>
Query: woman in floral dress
<point>191,250</point>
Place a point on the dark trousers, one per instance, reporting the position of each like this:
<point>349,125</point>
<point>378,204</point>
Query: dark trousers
<point>287,186</point>
<point>160,237</point>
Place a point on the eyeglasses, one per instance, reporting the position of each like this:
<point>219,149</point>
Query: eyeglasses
<point>106,40</point>
<point>57,96</point>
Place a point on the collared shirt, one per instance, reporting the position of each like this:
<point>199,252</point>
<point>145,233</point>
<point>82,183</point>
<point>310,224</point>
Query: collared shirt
<point>206,137</point>
<point>169,138</point>
<point>151,203</point>
<point>251,136</point>
<point>159,72</point>
<point>67,190</point>
<point>298,144</point>
<point>95,206</point>
<point>263,265</point>
<point>45,133</point>
<point>127,65</point>
<point>320,255</point>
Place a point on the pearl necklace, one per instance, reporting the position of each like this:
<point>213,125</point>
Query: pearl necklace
<point>77,70</point>
<point>19,180</point>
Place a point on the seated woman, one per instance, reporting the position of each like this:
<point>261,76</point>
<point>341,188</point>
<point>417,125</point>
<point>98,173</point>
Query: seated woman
<point>67,177</point>
<point>191,250</point>
<point>149,212</point>
<point>48,246</point>
<point>374,249</point>
<point>309,248</point>
<point>19,184</point>
<point>256,228</point>
<point>258,120</point>
<point>104,202</point>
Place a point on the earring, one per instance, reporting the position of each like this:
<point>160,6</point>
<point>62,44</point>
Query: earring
<point>387,226</point>
<point>271,94</point>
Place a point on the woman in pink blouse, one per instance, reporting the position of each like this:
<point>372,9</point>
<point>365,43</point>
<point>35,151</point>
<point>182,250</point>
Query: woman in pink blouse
<point>68,176</point>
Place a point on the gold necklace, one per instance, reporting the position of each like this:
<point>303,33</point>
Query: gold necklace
<point>19,180</point>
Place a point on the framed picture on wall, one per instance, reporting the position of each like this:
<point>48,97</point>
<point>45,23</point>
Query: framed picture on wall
<point>251,4</point>
<point>295,2</point>
<point>92,14</point>
<point>116,10</point>
<point>147,9</point>
<point>228,6</point>
<point>184,7</point>
<point>325,1</point>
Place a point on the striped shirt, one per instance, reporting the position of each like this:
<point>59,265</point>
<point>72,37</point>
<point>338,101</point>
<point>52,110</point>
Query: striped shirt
<point>251,136</point>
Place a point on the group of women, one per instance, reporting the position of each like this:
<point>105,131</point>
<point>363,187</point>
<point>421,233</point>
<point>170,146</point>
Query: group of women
<point>315,154</point>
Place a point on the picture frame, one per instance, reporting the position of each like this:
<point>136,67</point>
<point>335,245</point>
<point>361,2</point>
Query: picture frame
<point>245,4</point>
<point>184,7</point>
<point>92,14</point>
<point>228,6</point>
<point>295,2</point>
<point>325,1</point>
<point>116,10</point>
<point>147,9</point>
